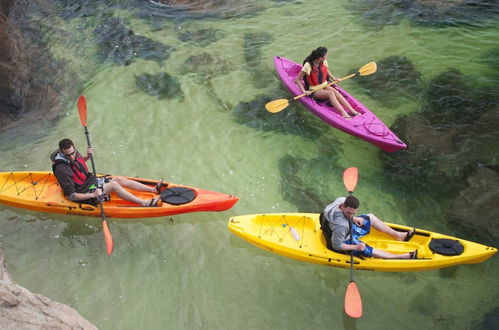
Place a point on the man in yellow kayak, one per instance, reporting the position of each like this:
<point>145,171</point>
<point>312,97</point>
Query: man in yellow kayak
<point>78,184</point>
<point>335,223</point>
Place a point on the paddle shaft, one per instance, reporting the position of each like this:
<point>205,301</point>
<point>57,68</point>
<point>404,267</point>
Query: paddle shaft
<point>353,300</point>
<point>87,135</point>
<point>350,222</point>
<point>324,86</point>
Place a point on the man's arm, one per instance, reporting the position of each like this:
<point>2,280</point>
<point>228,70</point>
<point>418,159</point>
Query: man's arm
<point>339,235</point>
<point>80,196</point>
<point>355,247</point>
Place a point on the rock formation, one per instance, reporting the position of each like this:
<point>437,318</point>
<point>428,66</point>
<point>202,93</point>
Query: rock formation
<point>21,309</point>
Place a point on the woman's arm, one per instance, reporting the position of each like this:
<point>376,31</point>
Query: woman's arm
<point>298,81</point>
<point>331,75</point>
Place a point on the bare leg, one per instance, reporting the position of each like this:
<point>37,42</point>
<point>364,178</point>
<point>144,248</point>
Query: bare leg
<point>124,182</point>
<point>113,186</point>
<point>383,227</point>
<point>388,255</point>
<point>345,102</point>
<point>324,94</point>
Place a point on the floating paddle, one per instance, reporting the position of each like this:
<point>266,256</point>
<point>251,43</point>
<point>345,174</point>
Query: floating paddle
<point>82,110</point>
<point>281,104</point>
<point>353,301</point>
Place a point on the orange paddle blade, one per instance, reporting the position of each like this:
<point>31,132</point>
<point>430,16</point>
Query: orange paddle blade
<point>350,178</point>
<point>108,237</point>
<point>82,110</point>
<point>353,302</point>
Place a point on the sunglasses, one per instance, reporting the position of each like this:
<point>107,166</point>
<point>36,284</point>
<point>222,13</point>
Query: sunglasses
<point>71,154</point>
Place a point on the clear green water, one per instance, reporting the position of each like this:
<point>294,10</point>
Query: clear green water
<point>192,273</point>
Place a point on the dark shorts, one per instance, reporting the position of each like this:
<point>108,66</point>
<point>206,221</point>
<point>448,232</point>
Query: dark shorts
<point>100,182</point>
<point>358,233</point>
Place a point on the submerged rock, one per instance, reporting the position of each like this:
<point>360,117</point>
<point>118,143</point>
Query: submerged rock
<point>475,209</point>
<point>263,76</point>
<point>22,309</point>
<point>205,66</point>
<point>121,45</point>
<point>451,101</point>
<point>304,181</point>
<point>452,153</point>
<point>200,8</point>
<point>444,138</point>
<point>161,85</point>
<point>438,13</point>
<point>292,120</point>
<point>31,83</point>
<point>395,78</point>
<point>201,37</point>
<point>490,320</point>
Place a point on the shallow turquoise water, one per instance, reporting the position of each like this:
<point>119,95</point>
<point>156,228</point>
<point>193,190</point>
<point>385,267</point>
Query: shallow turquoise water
<point>191,273</point>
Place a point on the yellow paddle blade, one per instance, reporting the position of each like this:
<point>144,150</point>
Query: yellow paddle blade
<point>353,302</point>
<point>350,178</point>
<point>368,69</point>
<point>276,105</point>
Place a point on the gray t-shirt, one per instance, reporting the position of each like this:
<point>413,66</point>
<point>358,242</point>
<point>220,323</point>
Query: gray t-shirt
<point>337,222</point>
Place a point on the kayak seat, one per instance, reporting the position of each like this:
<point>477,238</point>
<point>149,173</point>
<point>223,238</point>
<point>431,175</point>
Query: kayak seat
<point>91,201</point>
<point>94,201</point>
<point>326,231</point>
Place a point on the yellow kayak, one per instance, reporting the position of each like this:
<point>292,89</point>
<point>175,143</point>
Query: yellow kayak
<point>299,236</point>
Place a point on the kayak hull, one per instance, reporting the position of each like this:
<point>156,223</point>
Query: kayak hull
<point>39,191</point>
<point>365,126</point>
<point>305,242</point>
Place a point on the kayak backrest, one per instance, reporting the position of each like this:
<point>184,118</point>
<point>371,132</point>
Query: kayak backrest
<point>326,231</point>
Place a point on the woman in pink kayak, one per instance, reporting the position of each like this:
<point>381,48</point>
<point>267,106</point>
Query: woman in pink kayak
<point>314,72</point>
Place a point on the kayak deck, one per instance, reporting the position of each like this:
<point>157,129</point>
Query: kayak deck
<point>40,191</point>
<point>365,125</point>
<point>305,242</point>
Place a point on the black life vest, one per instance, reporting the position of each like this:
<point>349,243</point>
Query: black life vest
<point>326,231</point>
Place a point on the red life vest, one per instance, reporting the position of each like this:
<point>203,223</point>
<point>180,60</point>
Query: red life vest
<point>80,170</point>
<point>317,75</point>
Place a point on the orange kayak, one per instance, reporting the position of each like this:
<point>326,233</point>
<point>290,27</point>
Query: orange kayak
<point>40,191</point>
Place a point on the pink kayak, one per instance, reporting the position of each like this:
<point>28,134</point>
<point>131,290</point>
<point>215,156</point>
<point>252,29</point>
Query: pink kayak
<point>365,126</point>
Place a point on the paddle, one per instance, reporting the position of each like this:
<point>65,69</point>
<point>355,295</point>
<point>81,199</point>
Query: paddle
<point>353,301</point>
<point>82,110</point>
<point>281,104</point>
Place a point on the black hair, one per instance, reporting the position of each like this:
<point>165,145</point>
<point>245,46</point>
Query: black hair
<point>315,54</point>
<point>65,144</point>
<point>352,202</point>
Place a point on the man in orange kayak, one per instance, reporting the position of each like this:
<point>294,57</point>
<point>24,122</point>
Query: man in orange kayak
<point>336,220</point>
<point>79,185</point>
